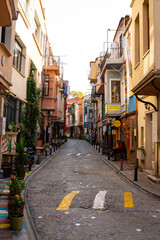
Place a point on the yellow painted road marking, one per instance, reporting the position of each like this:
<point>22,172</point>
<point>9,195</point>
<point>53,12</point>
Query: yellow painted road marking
<point>64,205</point>
<point>68,154</point>
<point>88,155</point>
<point>128,200</point>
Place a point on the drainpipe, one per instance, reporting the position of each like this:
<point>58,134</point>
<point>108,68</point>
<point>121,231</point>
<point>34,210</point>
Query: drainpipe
<point>136,164</point>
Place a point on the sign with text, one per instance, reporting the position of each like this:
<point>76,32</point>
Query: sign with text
<point>113,107</point>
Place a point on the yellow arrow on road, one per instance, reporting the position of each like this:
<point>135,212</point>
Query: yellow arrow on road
<point>64,205</point>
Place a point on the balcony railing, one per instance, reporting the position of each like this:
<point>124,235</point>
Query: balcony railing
<point>112,53</point>
<point>52,61</point>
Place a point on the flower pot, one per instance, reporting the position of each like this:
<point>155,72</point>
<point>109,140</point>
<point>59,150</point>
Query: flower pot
<point>10,210</point>
<point>16,223</point>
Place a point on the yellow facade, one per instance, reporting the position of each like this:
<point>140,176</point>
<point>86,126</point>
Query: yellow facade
<point>146,83</point>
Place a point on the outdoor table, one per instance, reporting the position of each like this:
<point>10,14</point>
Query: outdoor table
<point>39,151</point>
<point>10,154</point>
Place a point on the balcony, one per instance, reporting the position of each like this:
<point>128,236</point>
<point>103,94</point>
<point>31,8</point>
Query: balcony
<point>113,59</point>
<point>93,72</point>
<point>100,86</point>
<point>8,12</point>
<point>52,64</point>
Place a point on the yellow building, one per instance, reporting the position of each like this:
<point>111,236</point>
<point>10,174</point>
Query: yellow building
<point>146,80</point>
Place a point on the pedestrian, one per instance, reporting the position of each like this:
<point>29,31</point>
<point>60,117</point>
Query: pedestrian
<point>93,137</point>
<point>119,149</point>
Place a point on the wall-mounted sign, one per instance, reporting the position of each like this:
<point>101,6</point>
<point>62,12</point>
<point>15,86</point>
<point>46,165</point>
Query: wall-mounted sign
<point>113,107</point>
<point>105,109</point>
<point>117,123</point>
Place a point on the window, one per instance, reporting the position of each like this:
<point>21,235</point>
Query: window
<point>137,41</point>
<point>17,56</point>
<point>12,111</point>
<point>90,113</point>
<point>121,46</point>
<point>146,40</point>
<point>24,4</point>
<point>115,91</point>
<point>85,110</point>
<point>37,28</point>
<point>5,36</point>
<point>81,118</point>
<point>142,136</point>
<point>46,85</point>
<point>122,93</point>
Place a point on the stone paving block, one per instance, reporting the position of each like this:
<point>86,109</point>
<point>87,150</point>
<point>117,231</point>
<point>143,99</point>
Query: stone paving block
<point>5,234</point>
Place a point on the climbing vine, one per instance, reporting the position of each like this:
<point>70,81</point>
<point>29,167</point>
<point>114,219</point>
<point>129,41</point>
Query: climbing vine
<point>31,112</point>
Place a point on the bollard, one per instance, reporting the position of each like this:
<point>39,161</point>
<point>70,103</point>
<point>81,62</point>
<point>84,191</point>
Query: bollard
<point>30,165</point>
<point>136,171</point>
<point>38,160</point>
<point>121,164</point>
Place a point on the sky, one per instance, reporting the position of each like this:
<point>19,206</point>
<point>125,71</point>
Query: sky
<point>77,31</point>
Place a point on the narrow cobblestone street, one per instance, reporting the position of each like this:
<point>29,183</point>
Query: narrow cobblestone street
<point>96,200</point>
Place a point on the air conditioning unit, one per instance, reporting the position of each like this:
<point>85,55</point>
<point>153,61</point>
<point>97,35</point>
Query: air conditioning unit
<point>2,126</point>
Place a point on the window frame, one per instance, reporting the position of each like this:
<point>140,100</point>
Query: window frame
<point>111,84</point>
<point>137,39</point>
<point>146,27</point>
<point>46,81</point>
<point>17,61</point>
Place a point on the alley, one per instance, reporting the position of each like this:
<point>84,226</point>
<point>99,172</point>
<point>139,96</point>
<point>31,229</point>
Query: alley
<point>77,196</point>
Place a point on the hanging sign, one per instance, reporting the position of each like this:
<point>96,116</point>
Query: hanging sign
<point>117,123</point>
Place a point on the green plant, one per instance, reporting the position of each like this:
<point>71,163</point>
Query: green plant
<point>143,151</point>
<point>16,207</point>
<point>16,186</point>
<point>22,157</point>
<point>15,126</point>
<point>31,112</point>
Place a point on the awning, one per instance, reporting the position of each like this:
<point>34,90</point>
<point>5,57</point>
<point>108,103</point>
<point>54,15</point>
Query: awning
<point>149,85</point>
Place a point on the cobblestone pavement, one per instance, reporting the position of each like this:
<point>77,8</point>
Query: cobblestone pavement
<point>76,195</point>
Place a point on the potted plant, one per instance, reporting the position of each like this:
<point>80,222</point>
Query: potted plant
<point>15,186</point>
<point>16,213</point>
<point>21,159</point>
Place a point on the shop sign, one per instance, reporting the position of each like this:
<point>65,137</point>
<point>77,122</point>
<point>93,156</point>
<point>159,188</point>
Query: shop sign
<point>113,107</point>
<point>117,123</point>
<point>105,109</point>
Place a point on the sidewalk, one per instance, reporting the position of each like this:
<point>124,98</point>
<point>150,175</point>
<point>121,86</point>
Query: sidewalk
<point>5,232</point>
<point>145,180</point>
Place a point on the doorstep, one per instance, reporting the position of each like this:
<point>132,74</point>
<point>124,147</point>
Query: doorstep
<point>154,179</point>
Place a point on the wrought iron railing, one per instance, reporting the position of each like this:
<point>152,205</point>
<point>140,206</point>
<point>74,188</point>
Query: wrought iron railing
<point>112,53</point>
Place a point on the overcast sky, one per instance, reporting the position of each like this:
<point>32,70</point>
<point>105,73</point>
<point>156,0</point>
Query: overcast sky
<point>77,30</point>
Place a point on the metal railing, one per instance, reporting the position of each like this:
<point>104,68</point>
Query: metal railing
<point>112,53</point>
<point>52,61</point>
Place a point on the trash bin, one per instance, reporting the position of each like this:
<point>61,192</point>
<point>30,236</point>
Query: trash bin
<point>6,169</point>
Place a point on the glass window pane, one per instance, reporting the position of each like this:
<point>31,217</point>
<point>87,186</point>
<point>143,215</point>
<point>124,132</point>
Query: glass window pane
<point>115,91</point>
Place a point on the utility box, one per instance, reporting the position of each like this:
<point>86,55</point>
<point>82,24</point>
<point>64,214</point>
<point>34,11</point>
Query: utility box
<point>156,127</point>
<point>2,126</point>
